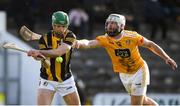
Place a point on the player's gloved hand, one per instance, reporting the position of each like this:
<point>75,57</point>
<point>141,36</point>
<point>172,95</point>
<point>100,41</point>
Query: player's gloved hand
<point>172,63</point>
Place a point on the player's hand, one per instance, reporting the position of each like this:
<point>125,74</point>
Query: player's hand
<point>35,54</point>
<point>172,63</point>
<point>76,44</point>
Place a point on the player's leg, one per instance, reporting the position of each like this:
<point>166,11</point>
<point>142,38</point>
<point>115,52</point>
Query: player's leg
<point>137,100</point>
<point>136,85</point>
<point>142,100</point>
<point>45,92</point>
<point>72,99</point>
<point>45,96</point>
<point>140,81</point>
<point>136,91</point>
<point>68,91</point>
<point>149,101</point>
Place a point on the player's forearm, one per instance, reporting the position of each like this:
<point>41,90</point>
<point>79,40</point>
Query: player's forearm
<point>85,44</point>
<point>158,51</point>
<point>61,50</point>
<point>52,53</point>
<point>49,53</point>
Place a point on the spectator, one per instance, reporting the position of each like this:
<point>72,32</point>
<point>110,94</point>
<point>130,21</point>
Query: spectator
<point>132,22</point>
<point>23,12</point>
<point>155,16</point>
<point>79,21</point>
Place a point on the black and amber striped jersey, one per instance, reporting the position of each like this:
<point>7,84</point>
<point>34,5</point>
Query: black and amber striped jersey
<point>57,71</point>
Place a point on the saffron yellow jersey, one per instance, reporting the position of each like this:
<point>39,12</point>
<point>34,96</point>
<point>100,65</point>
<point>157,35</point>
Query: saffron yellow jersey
<point>124,52</point>
<point>57,71</point>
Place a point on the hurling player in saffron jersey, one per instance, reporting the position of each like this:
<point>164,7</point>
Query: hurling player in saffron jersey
<point>122,47</point>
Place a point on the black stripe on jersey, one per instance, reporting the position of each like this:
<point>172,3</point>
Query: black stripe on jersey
<point>46,49</point>
<point>49,39</point>
<point>70,34</point>
<point>69,61</point>
<point>63,67</point>
<point>53,69</point>
<point>43,73</point>
<point>67,42</point>
<point>41,41</point>
<point>43,70</point>
<point>52,60</point>
<point>65,73</point>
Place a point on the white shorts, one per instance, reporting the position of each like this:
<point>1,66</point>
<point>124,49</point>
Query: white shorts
<point>136,84</point>
<point>63,88</point>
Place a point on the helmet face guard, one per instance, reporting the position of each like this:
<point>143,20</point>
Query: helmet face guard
<point>60,18</point>
<point>119,19</point>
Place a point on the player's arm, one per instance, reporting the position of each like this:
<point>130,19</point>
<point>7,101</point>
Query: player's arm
<point>62,49</point>
<point>84,43</point>
<point>160,52</point>
<point>47,52</point>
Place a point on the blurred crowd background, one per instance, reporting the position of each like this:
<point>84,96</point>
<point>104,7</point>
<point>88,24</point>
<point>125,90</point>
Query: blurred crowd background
<point>158,20</point>
<point>87,15</point>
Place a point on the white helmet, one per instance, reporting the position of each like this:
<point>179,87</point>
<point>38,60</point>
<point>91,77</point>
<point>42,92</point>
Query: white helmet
<point>119,19</point>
